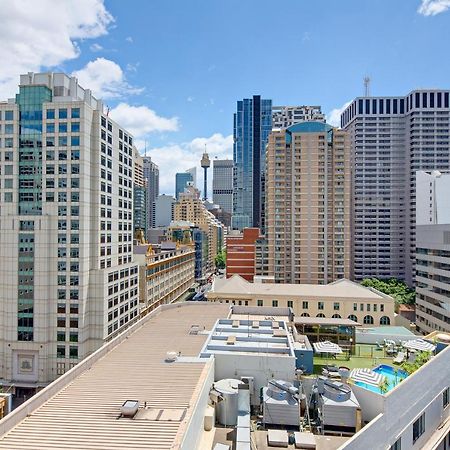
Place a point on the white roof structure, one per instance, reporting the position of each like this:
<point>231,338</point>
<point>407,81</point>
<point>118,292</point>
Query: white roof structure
<point>338,289</point>
<point>81,409</point>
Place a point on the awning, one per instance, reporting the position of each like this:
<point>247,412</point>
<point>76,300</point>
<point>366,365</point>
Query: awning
<point>420,345</point>
<point>367,376</point>
<point>327,347</point>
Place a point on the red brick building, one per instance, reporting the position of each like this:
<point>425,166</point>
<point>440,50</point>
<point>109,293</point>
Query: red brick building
<point>241,254</point>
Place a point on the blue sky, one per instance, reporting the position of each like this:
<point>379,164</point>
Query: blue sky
<point>177,67</point>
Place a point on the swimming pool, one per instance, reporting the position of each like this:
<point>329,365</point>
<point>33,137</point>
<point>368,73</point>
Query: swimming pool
<point>393,377</point>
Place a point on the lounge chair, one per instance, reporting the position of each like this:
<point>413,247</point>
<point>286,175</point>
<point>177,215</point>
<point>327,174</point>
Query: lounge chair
<point>399,358</point>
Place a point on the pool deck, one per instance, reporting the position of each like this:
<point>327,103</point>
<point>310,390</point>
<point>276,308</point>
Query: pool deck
<point>366,357</point>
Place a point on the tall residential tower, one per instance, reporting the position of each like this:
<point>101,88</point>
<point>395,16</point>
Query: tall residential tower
<point>308,203</point>
<point>392,138</point>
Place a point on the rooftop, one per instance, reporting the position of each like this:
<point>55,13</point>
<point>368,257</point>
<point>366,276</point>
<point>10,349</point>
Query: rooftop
<point>259,337</point>
<point>325,321</point>
<point>236,285</point>
<point>82,408</point>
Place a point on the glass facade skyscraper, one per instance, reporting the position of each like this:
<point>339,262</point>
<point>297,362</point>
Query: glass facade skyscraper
<point>181,181</point>
<point>252,125</point>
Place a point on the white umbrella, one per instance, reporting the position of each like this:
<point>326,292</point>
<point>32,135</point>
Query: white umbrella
<point>367,376</point>
<point>327,347</point>
<point>420,345</point>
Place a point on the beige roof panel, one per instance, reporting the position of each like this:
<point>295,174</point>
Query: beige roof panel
<point>85,413</point>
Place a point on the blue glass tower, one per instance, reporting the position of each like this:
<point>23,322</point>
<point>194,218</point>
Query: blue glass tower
<point>252,125</point>
<point>181,181</point>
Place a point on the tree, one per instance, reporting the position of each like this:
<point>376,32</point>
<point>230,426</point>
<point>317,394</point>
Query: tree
<point>397,289</point>
<point>220,260</point>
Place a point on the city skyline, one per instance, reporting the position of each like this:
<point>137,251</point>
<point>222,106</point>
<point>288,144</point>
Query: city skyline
<point>103,46</point>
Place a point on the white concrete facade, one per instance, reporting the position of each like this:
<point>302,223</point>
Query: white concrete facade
<point>163,210</point>
<point>391,139</point>
<point>68,281</point>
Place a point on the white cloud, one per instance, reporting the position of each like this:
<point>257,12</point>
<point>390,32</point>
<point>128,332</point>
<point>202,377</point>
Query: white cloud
<point>38,34</point>
<point>140,120</point>
<point>334,116</point>
<point>105,78</point>
<point>190,99</point>
<point>433,7</point>
<point>129,39</point>
<point>95,47</point>
<point>179,157</point>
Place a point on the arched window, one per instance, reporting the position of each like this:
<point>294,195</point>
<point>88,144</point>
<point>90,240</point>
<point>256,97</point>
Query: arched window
<point>304,315</point>
<point>320,315</point>
<point>336,316</point>
<point>385,320</point>
<point>353,317</point>
<point>368,320</point>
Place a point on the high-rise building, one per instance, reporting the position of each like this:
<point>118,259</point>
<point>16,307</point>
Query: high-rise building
<point>163,210</point>
<point>67,280</point>
<point>433,251</point>
<point>182,180</point>
<point>151,173</point>
<point>308,203</point>
<point>190,208</point>
<point>252,125</point>
<point>140,194</point>
<point>193,172</point>
<point>285,116</point>
<point>432,197</point>
<point>392,138</point>
<point>223,184</point>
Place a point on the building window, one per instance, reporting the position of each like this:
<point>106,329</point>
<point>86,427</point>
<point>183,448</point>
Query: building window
<point>381,308</point>
<point>336,316</point>
<point>60,351</point>
<point>418,427</point>
<point>353,317</point>
<point>355,306</point>
<point>260,302</point>
<point>445,398</point>
<point>368,320</point>
<point>397,445</point>
<point>385,320</point>
<point>305,305</point>
<point>275,303</point>
<point>361,307</point>
<point>320,305</point>
<point>368,307</point>
<point>62,113</point>
<point>320,315</point>
<point>336,306</point>
<point>290,304</point>
<point>375,307</point>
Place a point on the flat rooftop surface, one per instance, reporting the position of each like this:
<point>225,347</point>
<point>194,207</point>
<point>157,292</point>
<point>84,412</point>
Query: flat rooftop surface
<point>84,414</point>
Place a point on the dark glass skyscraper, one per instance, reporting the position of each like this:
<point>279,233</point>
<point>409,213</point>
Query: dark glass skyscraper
<point>252,125</point>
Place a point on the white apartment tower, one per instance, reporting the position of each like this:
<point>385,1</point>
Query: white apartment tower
<point>223,184</point>
<point>67,278</point>
<point>391,139</point>
<point>285,116</point>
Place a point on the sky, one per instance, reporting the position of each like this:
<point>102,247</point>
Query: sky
<point>171,71</point>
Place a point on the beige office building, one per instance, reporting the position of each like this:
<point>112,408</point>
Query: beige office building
<point>190,208</point>
<point>342,299</point>
<point>308,204</point>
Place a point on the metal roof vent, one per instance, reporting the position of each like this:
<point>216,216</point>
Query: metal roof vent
<point>171,356</point>
<point>129,408</point>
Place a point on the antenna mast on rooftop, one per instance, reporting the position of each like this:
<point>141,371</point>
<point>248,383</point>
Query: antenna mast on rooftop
<point>366,86</point>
